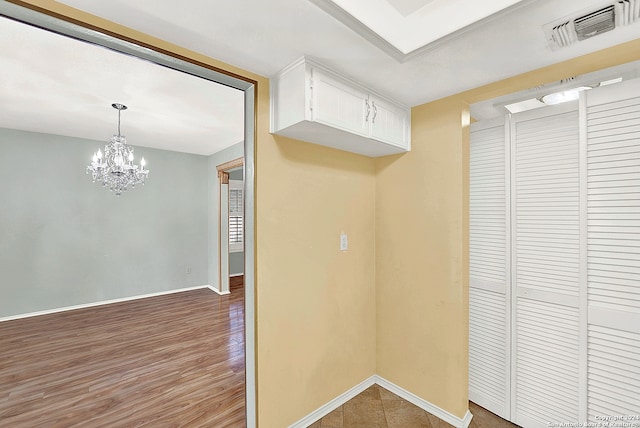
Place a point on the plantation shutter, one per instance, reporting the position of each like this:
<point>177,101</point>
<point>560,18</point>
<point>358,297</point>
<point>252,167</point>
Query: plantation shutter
<point>489,314</point>
<point>236,215</point>
<point>611,126</point>
<point>546,265</point>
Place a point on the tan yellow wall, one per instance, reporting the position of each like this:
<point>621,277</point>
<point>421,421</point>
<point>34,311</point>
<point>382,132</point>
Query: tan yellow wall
<point>316,327</point>
<point>422,244</point>
<point>600,60</point>
<point>421,267</point>
<point>315,305</point>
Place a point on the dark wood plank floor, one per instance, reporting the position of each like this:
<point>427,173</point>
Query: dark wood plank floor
<point>167,361</point>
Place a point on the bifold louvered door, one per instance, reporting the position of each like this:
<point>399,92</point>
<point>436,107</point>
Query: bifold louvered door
<point>571,303</point>
<point>611,128</point>
<point>489,294</point>
<point>545,169</point>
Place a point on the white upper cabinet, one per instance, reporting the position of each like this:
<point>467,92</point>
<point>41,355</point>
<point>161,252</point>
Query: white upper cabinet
<point>336,104</point>
<point>389,122</point>
<point>313,104</point>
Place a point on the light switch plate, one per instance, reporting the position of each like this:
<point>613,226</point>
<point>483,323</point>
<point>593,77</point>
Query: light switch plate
<point>344,242</point>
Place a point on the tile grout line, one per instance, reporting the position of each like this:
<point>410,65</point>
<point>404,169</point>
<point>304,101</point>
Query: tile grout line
<point>384,410</point>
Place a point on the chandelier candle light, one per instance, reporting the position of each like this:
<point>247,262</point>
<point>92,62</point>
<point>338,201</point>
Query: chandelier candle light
<point>115,168</point>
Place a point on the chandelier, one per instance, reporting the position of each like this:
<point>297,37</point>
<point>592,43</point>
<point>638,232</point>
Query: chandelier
<point>115,168</point>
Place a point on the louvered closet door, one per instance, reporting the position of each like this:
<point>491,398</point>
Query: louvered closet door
<point>489,310</point>
<point>546,266</point>
<point>613,234</point>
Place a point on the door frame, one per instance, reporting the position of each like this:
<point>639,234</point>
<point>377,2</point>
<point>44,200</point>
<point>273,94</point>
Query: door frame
<point>223,244</point>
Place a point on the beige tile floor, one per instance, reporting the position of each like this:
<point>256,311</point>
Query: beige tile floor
<point>377,407</point>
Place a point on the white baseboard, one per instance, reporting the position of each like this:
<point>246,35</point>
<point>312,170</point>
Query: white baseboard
<point>103,302</point>
<point>425,405</point>
<point>401,392</point>
<point>333,404</point>
<point>222,293</point>
<point>236,274</point>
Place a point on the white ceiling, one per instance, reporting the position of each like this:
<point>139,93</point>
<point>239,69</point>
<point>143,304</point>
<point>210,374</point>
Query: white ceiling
<point>407,7</point>
<point>54,84</point>
<point>408,25</point>
<point>265,36</point>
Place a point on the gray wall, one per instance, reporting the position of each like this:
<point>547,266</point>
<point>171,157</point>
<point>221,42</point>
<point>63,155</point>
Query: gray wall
<point>237,174</point>
<point>236,263</point>
<point>236,259</point>
<point>230,153</point>
<point>66,241</point>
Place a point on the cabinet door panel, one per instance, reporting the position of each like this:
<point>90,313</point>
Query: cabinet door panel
<point>389,123</point>
<point>338,105</point>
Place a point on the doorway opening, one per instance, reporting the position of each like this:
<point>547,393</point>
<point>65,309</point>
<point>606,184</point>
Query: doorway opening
<point>66,26</point>
<point>230,225</point>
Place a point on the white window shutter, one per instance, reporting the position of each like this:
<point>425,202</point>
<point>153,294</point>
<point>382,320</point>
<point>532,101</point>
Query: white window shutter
<point>236,216</point>
<point>612,132</point>
<point>489,314</point>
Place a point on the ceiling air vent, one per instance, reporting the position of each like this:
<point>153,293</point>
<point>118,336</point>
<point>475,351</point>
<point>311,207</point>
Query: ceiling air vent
<point>563,34</point>
<point>588,23</point>
<point>595,23</point>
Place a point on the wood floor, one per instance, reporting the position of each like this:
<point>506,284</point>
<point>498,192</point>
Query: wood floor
<point>167,361</point>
